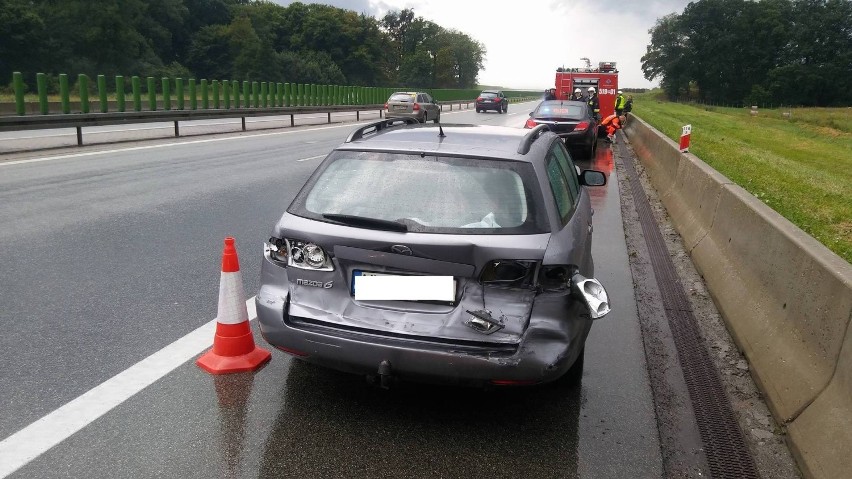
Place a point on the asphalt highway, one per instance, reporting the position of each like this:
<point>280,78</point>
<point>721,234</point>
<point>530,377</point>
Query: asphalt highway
<point>111,253</point>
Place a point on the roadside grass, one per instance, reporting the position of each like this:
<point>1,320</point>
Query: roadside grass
<point>801,165</point>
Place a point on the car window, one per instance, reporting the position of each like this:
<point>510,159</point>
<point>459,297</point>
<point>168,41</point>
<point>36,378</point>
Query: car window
<point>568,169</point>
<point>488,94</point>
<point>409,97</point>
<point>559,185</point>
<point>478,196</point>
<point>427,98</point>
<point>561,109</point>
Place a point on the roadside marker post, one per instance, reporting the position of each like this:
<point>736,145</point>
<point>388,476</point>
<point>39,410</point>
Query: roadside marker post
<point>684,138</point>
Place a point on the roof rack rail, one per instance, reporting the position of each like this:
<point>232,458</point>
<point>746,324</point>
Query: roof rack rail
<point>373,128</point>
<point>529,138</point>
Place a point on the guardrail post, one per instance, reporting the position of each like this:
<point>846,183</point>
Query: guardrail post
<point>205,94</point>
<point>119,93</point>
<point>181,100</point>
<point>18,82</point>
<point>264,90</point>
<point>216,103</point>
<point>83,86</point>
<point>193,96</point>
<point>167,94</point>
<point>152,94</point>
<point>63,93</point>
<point>226,90</point>
<point>137,94</point>
<point>41,84</point>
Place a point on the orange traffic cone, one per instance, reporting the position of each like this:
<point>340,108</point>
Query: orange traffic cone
<point>233,345</point>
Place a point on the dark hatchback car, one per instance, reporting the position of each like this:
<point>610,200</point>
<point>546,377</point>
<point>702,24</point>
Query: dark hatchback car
<point>447,254</point>
<point>492,100</point>
<point>570,120</point>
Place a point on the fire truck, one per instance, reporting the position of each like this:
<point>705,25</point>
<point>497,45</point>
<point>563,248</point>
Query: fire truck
<point>604,78</point>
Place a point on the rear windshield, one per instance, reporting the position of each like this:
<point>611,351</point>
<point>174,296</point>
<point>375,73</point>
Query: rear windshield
<point>488,94</point>
<point>428,194</point>
<point>402,97</point>
<point>560,109</point>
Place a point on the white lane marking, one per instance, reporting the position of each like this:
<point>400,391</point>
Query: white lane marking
<point>20,448</point>
<point>165,145</point>
<point>311,158</point>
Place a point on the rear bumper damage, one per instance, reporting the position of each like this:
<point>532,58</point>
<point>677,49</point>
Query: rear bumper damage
<point>557,331</point>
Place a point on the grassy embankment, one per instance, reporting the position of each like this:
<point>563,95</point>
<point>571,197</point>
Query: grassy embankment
<point>800,166</point>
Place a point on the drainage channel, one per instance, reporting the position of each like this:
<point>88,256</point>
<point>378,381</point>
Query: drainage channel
<point>724,446</point>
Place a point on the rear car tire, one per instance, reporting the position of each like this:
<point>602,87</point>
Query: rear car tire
<point>506,108</point>
<point>574,376</point>
<point>499,110</point>
<point>425,117</point>
<point>590,151</point>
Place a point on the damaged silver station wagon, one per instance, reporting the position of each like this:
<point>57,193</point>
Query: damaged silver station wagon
<point>448,254</point>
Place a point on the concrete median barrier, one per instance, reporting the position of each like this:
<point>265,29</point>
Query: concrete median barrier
<point>786,299</point>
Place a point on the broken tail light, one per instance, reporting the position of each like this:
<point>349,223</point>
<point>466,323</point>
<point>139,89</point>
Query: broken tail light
<point>509,273</point>
<point>581,126</point>
<point>530,123</point>
<point>416,107</point>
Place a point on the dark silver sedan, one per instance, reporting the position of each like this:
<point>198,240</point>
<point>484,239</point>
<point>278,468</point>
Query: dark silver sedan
<point>457,254</point>
<point>573,121</point>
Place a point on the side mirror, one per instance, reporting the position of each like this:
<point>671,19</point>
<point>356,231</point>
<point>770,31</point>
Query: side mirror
<point>531,113</point>
<point>592,178</point>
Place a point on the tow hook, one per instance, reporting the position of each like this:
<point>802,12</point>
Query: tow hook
<point>385,374</point>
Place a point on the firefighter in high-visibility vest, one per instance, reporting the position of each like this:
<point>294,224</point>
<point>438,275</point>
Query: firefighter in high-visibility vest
<point>612,124</point>
<point>620,101</point>
<point>594,103</point>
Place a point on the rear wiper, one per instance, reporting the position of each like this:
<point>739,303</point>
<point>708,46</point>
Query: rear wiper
<point>372,223</point>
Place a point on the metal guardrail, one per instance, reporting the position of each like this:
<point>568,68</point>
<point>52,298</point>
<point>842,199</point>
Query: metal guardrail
<point>81,120</point>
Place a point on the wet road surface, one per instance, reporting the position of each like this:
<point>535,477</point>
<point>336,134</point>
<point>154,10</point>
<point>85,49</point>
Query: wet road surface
<point>108,258</point>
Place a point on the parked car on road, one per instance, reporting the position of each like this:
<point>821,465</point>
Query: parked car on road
<point>457,254</point>
<point>408,104</point>
<point>492,100</point>
<point>572,121</point>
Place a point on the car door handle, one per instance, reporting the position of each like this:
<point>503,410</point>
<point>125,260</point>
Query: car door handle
<point>591,228</point>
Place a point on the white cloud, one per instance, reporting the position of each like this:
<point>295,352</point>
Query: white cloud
<point>526,40</point>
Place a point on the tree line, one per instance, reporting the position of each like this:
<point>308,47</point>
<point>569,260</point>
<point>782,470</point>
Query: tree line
<point>233,39</point>
<point>795,52</point>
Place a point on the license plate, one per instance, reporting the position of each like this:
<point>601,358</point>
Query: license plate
<point>372,286</point>
<point>400,107</point>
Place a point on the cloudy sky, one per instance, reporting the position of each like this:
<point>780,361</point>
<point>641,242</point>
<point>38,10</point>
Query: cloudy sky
<point>527,39</point>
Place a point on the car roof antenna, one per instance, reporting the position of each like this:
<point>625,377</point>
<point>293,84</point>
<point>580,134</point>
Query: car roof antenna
<point>441,131</point>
